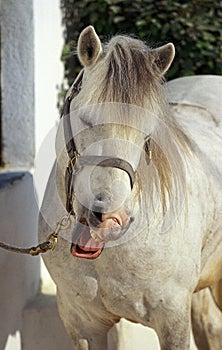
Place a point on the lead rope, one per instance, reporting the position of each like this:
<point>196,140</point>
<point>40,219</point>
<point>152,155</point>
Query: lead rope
<point>44,247</point>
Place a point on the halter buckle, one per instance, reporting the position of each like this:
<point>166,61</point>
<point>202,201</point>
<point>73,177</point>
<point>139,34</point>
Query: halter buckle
<point>148,149</point>
<point>72,161</point>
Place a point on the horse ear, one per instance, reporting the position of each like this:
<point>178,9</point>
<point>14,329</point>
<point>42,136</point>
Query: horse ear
<point>89,47</point>
<point>163,57</point>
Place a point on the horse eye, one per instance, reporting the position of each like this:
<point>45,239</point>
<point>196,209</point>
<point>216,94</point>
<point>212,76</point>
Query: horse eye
<point>87,120</point>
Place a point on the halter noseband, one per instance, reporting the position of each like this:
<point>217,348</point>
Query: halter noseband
<point>76,161</point>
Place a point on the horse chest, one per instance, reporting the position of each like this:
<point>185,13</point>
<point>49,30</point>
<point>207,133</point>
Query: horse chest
<point>131,296</point>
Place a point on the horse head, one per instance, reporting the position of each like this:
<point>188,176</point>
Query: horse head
<point>111,120</point>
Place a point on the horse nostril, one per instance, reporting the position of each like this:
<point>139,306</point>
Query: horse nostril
<point>104,197</point>
<point>99,197</point>
<point>100,206</point>
<point>101,202</point>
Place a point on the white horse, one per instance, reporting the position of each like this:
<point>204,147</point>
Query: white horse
<point>146,233</point>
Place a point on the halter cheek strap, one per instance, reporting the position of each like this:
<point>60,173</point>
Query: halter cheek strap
<point>69,139</point>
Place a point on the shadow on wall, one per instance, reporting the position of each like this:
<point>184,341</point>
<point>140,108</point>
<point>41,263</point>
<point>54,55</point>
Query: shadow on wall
<point>19,274</point>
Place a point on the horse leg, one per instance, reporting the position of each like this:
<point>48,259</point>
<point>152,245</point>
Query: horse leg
<point>217,293</point>
<point>101,339</point>
<point>91,340</point>
<point>87,330</point>
<point>206,321</point>
<point>173,322</point>
<point>88,335</point>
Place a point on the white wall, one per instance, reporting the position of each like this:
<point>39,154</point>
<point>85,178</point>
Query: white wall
<point>48,77</point>
<point>48,67</point>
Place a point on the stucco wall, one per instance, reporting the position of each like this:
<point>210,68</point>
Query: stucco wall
<point>17,83</point>
<point>19,275</point>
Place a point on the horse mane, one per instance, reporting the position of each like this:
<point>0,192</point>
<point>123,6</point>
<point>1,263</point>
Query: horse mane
<point>127,74</point>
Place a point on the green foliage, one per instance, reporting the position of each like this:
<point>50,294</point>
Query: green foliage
<point>194,26</point>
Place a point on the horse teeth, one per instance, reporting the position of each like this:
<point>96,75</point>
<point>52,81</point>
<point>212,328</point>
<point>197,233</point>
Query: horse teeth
<point>115,220</point>
<point>94,236</point>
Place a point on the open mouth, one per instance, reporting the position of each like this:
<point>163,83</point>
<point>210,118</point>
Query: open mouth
<point>89,241</point>
<point>85,245</point>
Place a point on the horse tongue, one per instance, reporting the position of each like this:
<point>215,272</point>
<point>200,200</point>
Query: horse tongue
<point>86,242</point>
<point>85,246</point>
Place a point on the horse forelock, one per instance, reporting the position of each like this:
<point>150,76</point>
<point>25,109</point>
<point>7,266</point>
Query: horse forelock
<point>125,74</point>
<point>130,77</point>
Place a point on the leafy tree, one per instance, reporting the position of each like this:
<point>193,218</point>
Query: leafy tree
<point>194,26</point>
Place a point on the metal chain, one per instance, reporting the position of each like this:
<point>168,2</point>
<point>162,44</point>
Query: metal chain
<point>49,244</point>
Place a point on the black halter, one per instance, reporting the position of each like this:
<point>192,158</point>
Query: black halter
<point>76,161</point>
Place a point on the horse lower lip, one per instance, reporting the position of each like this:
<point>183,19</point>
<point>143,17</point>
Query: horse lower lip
<point>84,246</point>
<point>78,252</point>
